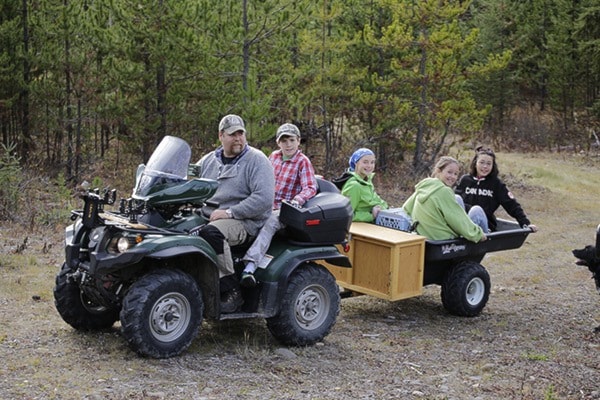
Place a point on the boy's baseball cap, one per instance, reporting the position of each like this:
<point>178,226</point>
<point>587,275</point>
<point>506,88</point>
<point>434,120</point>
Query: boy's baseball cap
<point>232,123</point>
<point>287,130</point>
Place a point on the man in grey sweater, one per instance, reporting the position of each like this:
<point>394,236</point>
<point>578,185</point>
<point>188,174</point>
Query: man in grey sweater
<point>241,204</point>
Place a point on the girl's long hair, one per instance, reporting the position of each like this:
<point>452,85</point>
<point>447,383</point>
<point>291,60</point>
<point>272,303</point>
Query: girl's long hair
<point>481,150</point>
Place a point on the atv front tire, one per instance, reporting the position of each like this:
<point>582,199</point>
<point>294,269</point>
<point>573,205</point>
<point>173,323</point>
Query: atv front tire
<point>309,307</point>
<point>76,309</point>
<point>162,313</point>
<point>466,289</point>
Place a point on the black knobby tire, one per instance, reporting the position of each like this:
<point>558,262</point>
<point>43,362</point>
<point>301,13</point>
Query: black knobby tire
<point>466,289</point>
<point>76,309</point>
<point>162,313</point>
<point>309,307</point>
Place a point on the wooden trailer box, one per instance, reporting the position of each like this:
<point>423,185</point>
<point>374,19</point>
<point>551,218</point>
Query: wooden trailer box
<point>386,263</point>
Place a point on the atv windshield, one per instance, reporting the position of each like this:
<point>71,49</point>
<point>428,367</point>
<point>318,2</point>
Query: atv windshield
<point>168,164</point>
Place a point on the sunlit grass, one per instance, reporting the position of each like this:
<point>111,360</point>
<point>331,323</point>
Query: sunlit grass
<point>562,175</point>
<point>563,188</point>
<point>34,278</point>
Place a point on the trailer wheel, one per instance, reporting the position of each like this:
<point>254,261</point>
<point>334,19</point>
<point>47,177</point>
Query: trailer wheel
<point>162,313</point>
<point>309,307</point>
<point>77,309</point>
<point>466,289</point>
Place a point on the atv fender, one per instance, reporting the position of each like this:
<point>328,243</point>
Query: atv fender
<point>167,246</point>
<point>182,250</point>
<point>201,264</point>
<point>277,275</point>
<point>159,248</point>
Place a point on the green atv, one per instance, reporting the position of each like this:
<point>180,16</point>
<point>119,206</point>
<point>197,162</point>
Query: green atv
<point>141,266</point>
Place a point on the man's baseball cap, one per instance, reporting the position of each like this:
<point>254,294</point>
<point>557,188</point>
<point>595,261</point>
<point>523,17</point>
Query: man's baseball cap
<point>232,123</point>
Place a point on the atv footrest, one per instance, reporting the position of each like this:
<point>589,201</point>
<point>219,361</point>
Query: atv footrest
<point>240,314</point>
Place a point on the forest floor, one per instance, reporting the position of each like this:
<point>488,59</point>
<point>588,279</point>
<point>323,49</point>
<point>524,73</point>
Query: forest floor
<point>534,340</point>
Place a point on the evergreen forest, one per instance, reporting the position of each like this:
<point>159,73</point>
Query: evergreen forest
<point>407,78</point>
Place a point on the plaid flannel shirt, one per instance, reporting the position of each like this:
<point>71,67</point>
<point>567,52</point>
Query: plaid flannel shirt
<point>294,178</point>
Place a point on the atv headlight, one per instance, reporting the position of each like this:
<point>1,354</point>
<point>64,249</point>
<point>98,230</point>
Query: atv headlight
<point>120,244</point>
<point>123,244</point>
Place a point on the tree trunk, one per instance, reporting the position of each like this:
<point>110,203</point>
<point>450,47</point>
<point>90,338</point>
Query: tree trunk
<point>418,163</point>
<point>245,48</point>
<point>161,88</point>
<point>26,142</point>
<point>161,102</point>
<point>68,91</point>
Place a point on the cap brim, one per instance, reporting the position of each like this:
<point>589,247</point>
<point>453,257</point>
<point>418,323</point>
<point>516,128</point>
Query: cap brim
<point>286,134</point>
<point>233,129</point>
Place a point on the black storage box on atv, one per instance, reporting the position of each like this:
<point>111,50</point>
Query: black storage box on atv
<point>324,219</point>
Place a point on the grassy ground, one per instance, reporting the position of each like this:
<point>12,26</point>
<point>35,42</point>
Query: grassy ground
<point>534,340</point>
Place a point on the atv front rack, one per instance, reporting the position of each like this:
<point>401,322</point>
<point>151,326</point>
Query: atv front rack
<point>93,205</point>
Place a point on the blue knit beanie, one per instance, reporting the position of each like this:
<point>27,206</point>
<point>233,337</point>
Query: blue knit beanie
<point>357,155</point>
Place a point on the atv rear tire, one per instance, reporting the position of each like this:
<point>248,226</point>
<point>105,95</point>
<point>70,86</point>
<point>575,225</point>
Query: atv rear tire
<point>466,289</point>
<point>162,313</point>
<point>76,309</point>
<point>309,307</point>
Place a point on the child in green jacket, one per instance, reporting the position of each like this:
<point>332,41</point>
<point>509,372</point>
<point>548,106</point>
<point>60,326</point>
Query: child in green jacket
<point>359,188</point>
<point>433,205</point>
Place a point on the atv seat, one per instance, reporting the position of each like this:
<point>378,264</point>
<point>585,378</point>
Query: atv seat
<point>326,186</point>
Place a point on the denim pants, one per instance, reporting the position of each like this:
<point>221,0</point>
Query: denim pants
<point>476,214</point>
<point>261,244</point>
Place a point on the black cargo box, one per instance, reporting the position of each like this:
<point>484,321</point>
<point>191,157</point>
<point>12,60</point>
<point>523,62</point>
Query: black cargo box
<point>324,219</point>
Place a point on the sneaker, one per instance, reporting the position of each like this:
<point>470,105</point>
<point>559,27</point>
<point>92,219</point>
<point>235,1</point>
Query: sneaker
<point>231,301</point>
<point>248,280</point>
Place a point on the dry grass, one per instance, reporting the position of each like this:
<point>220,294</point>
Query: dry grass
<point>534,340</point>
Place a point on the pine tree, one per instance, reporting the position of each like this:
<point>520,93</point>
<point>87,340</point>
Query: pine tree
<point>430,68</point>
<point>494,19</point>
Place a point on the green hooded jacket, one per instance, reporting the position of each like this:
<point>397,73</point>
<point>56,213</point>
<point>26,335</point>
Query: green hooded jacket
<point>362,197</point>
<point>439,216</point>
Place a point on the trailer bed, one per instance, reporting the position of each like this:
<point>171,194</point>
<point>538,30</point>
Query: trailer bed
<point>393,265</point>
<point>508,236</point>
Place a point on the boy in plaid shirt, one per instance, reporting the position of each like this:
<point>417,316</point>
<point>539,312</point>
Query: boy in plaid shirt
<point>294,181</point>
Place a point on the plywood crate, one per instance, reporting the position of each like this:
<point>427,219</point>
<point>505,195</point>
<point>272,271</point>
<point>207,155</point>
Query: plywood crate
<point>386,263</point>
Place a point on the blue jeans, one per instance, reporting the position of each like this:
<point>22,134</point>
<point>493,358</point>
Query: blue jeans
<point>261,244</point>
<point>476,214</point>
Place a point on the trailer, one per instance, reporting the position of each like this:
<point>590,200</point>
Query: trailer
<point>394,265</point>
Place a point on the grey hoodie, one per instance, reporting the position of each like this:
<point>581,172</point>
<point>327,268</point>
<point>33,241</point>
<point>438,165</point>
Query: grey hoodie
<point>246,186</point>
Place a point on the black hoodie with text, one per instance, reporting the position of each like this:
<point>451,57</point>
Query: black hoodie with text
<point>490,193</point>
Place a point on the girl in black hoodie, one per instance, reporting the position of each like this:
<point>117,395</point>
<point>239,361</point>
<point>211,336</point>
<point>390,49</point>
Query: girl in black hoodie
<point>482,187</point>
